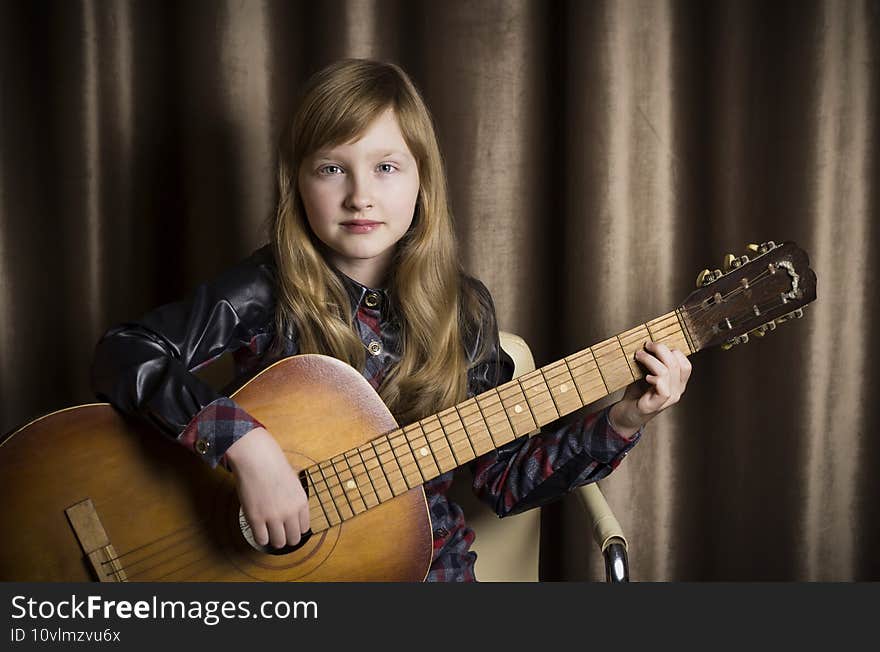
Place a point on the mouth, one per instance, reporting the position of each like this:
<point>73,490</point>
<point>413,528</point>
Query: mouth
<point>360,226</point>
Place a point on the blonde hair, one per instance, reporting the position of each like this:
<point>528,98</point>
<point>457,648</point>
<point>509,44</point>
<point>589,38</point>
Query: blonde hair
<point>432,304</point>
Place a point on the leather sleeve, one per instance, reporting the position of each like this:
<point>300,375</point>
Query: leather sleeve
<point>144,367</point>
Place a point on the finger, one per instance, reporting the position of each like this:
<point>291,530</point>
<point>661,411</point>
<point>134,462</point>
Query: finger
<point>652,364</point>
<point>666,356</point>
<point>685,368</point>
<point>259,531</point>
<point>292,530</point>
<point>277,535</point>
<point>304,519</point>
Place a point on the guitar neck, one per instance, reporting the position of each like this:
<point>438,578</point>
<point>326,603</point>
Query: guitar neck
<point>403,459</point>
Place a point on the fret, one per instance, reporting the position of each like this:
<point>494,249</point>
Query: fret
<point>371,498</point>
<point>496,418</point>
<point>517,408</point>
<point>342,491</point>
<point>588,376</point>
<point>609,357</point>
<point>574,382</point>
<point>631,341</point>
<point>389,462</point>
<point>685,334</point>
<point>406,459</point>
<point>335,491</point>
<point>538,396</point>
<point>667,329</point>
<point>476,401</point>
<point>475,426</point>
<point>456,433</point>
<point>459,446</point>
<point>315,493</point>
<point>630,364</point>
<point>439,446</point>
<point>317,517</point>
<point>322,491</point>
<point>562,387</point>
<point>424,454</point>
<point>433,427</point>
<point>349,483</point>
<point>383,489</point>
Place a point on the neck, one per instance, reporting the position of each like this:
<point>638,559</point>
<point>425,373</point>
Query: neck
<point>369,272</point>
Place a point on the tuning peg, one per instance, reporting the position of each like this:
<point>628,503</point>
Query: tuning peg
<point>728,262</point>
<point>760,331</point>
<point>739,339</point>
<point>703,278</point>
<point>762,248</point>
<point>794,314</point>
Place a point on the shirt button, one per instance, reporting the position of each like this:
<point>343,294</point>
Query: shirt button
<point>202,446</point>
<point>374,347</point>
<point>441,532</point>
<point>372,299</point>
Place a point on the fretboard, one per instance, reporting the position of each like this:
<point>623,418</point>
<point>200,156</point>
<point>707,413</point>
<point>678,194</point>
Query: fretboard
<point>361,478</point>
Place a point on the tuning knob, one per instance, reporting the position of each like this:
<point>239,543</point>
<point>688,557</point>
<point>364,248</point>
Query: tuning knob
<point>762,248</point>
<point>794,314</point>
<point>728,262</point>
<point>704,278</point>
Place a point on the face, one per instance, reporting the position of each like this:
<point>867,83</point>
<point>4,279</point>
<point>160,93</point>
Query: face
<point>360,197</point>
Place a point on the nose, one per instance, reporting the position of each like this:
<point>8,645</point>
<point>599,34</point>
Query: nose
<point>360,194</point>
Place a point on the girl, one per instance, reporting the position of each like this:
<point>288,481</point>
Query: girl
<point>362,266</point>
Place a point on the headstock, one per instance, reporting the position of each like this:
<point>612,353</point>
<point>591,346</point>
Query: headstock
<point>750,297</point>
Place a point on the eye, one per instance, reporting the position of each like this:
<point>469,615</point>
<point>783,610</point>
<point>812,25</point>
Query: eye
<point>329,169</point>
<point>386,168</point>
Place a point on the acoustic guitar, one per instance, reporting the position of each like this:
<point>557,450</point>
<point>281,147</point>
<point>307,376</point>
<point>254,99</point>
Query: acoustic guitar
<point>92,495</point>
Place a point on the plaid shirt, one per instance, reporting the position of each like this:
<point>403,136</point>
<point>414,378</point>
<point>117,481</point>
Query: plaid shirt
<point>520,475</point>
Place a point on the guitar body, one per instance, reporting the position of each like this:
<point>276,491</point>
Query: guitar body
<point>168,517</point>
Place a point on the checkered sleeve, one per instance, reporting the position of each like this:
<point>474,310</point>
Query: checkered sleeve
<point>215,428</point>
<point>529,472</point>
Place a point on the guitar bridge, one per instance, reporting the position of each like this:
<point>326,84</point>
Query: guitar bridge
<point>94,542</point>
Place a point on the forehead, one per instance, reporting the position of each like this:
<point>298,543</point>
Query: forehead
<point>381,137</point>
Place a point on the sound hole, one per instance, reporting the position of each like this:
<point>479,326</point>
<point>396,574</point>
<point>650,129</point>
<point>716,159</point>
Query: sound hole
<point>248,535</point>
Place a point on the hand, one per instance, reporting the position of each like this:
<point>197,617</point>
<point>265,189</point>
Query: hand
<point>668,374</point>
<point>271,495</point>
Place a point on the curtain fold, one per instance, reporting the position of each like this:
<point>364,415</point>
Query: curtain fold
<point>599,154</point>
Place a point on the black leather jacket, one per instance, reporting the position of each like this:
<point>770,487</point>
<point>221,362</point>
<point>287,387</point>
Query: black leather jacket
<point>145,367</point>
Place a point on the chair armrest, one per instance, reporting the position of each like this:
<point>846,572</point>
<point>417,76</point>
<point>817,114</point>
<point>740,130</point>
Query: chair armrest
<point>606,531</point>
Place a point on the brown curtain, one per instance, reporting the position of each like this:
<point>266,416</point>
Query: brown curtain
<point>599,155</point>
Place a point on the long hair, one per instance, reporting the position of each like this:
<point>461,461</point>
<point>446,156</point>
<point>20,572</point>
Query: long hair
<point>432,304</point>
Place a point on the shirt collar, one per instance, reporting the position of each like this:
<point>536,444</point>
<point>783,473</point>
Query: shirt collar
<point>361,295</point>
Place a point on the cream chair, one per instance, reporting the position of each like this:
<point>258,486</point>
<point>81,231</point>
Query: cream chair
<point>508,549</point>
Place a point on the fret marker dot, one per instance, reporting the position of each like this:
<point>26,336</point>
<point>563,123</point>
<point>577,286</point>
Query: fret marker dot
<point>423,451</point>
<point>517,408</point>
<point>563,388</point>
<point>350,484</point>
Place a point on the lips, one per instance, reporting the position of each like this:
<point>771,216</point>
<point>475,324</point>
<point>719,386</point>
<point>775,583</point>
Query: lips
<point>360,226</point>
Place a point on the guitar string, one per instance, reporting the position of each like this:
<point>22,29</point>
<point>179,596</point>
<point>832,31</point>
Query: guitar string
<point>131,563</point>
<point>398,436</point>
<point>737,290</point>
<point>666,322</point>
